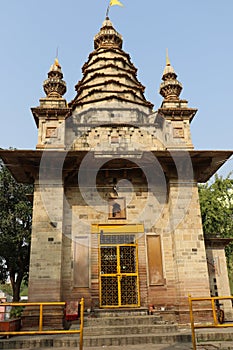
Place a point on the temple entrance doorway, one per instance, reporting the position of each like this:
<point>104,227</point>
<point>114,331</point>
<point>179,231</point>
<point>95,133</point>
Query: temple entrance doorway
<point>118,271</point>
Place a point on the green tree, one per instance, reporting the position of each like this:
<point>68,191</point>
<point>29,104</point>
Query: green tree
<point>15,231</point>
<point>216,201</point>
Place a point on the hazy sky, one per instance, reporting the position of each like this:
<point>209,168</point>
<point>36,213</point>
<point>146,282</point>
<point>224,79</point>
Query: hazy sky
<point>198,34</point>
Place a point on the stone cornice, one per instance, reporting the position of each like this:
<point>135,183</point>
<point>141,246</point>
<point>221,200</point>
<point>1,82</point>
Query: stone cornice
<point>57,113</point>
<point>178,113</point>
<point>25,164</point>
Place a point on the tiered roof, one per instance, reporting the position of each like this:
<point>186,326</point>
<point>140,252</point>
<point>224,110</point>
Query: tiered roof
<point>109,73</point>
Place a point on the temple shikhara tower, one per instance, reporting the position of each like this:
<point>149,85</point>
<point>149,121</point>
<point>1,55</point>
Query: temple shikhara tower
<point>116,215</point>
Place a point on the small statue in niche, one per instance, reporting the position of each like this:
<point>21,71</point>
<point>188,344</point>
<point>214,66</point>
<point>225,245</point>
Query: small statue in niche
<point>116,210</point>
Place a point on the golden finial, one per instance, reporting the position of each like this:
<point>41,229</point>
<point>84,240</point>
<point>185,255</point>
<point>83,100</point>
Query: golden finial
<point>168,63</point>
<point>56,62</point>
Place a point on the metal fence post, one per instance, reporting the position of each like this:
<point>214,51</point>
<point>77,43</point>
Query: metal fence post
<point>81,324</point>
<point>41,318</point>
<point>192,322</point>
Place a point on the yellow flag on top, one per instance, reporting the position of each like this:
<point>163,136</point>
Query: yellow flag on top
<point>115,2</point>
<point>112,3</point>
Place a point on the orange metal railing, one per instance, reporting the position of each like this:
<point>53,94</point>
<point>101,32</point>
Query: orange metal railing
<point>41,330</point>
<point>215,323</point>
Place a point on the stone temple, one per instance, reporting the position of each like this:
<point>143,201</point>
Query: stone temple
<point>116,215</point>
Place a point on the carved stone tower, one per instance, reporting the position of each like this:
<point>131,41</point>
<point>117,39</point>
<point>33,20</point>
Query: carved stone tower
<point>50,116</point>
<point>175,111</point>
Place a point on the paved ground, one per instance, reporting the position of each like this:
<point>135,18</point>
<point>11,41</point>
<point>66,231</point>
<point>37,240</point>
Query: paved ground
<point>177,346</point>
<point>130,347</point>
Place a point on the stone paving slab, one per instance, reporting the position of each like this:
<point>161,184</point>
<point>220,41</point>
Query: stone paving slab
<point>176,346</point>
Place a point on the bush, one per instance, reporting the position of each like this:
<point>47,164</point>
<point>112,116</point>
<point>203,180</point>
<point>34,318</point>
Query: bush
<point>16,311</point>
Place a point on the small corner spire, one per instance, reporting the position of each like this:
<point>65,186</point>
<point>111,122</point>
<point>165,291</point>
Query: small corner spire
<point>54,86</point>
<point>170,88</point>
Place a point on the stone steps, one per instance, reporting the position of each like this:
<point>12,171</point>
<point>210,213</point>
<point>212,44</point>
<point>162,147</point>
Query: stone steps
<point>123,321</point>
<point>120,329</point>
<point>65,341</point>
<point>126,330</point>
<point>125,312</point>
<point>72,341</point>
<point>108,331</point>
<point>124,326</point>
<point>225,334</point>
<point>133,339</point>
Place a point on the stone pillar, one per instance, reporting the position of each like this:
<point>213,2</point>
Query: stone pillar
<point>218,274</point>
<point>188,247</point>
<point>46,243</point>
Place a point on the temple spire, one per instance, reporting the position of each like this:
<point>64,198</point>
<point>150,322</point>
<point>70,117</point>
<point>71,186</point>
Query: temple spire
<point>173,108</point>
<point>109,75</point>
<point>108,36</point>
<point>170,88</point>
<point>54,86</point>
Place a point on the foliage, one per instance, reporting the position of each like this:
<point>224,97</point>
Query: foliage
<point>7,289</point>
<point>216,201</point>
<point>15,231</point>
<point>16,311</point>
<point>24,289</point>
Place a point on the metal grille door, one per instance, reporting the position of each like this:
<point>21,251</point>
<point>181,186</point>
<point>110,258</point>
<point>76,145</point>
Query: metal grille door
<point>118,271</point>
